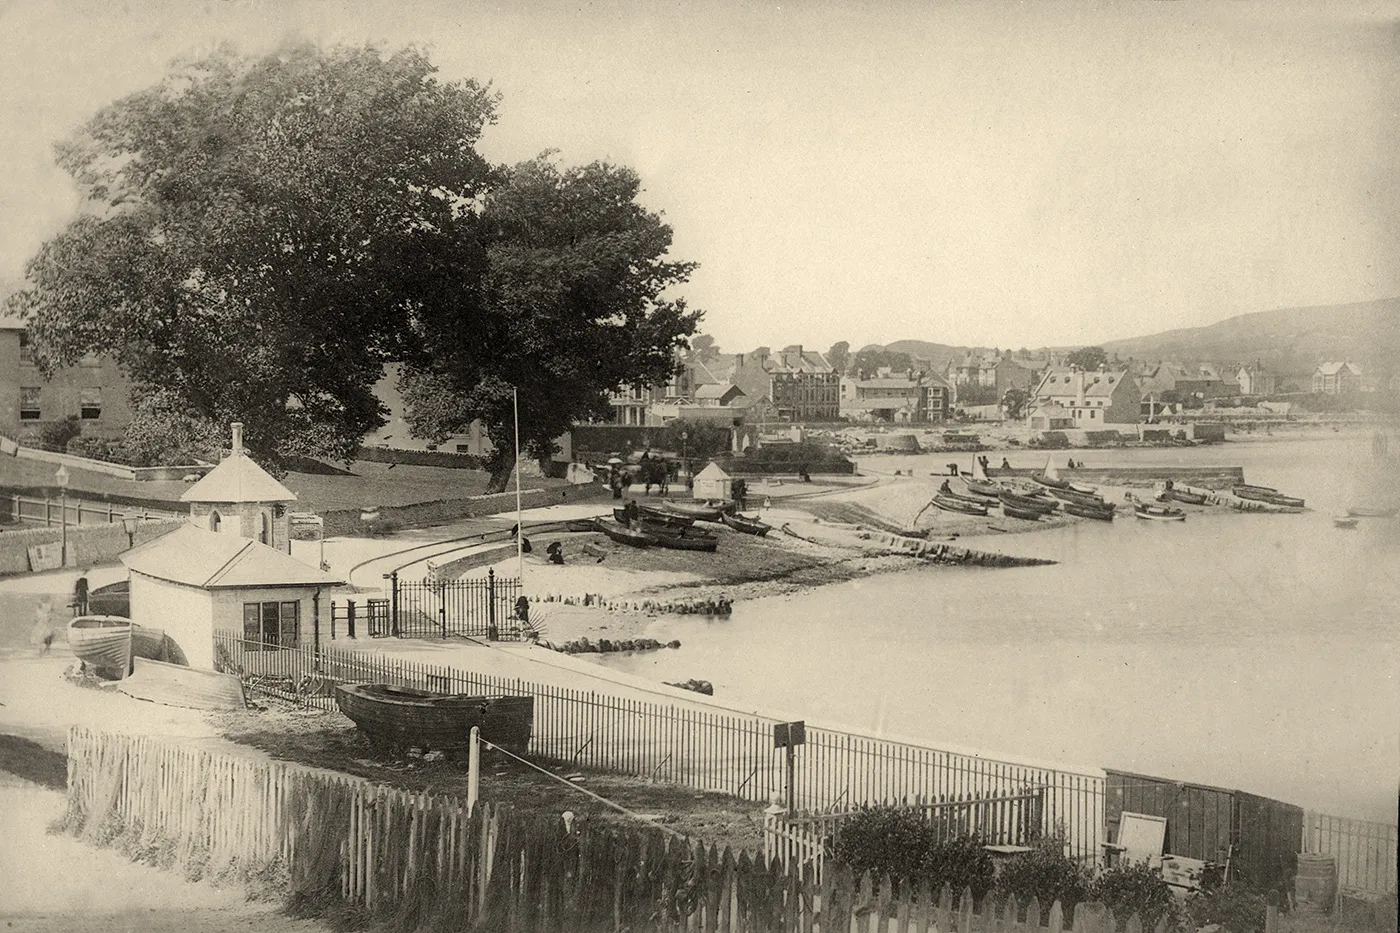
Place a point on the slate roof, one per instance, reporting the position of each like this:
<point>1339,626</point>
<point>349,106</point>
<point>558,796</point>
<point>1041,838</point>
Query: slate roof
<point>1061,383</point>
<point>1331,369</point>
<point>196,557</point>
<point>716,390</point>
<point>238,479</point>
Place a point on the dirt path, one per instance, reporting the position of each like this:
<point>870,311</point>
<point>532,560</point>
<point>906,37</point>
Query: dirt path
<point>58,883</point>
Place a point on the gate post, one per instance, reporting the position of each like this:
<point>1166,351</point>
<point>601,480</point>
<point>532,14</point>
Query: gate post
<point>350,618</point>
<point>394,604</point>
<point>442,616</point>
<point>491,631</point>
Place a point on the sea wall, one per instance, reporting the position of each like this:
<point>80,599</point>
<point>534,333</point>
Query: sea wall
<point>441,511</point>
<point>87,544</point>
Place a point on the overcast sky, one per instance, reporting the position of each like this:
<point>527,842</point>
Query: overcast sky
<point>1000,174</point>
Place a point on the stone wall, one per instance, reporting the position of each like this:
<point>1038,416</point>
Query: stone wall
<point>87,544</point>
<point>442,511</point>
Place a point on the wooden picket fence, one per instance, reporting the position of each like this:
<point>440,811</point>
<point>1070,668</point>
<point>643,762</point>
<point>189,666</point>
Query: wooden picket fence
<point>428,862</point>
<point>709,750</point>
<point>800,841</point>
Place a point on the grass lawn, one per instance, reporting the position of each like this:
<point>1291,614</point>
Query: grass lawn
<point>371,483</point>
<point>328,740</point>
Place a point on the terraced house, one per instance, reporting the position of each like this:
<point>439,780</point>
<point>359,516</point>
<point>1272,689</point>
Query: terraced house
<point>95,391</point>
<point>1074,398</point>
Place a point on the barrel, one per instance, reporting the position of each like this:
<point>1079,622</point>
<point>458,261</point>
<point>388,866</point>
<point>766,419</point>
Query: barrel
<point>1315,886</point>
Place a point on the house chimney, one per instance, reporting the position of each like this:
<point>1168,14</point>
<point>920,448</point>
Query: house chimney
<point>237,438</point>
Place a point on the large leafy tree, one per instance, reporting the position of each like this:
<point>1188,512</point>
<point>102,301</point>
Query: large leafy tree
<point>1088,358</point>
<point>839,356</point>
<point>252,233</point>
<point>559,290</point>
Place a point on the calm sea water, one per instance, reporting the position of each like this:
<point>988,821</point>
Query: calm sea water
<point>1253,651</point>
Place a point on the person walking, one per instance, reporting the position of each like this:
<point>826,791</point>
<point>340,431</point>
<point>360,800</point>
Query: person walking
<point>42,634</point>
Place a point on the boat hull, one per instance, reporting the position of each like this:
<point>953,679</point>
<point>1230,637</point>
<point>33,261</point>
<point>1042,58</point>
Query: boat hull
<point>986,490</point>
<point>965,507</point>
<point>1271,496</point>
<point>704,513</point>
<point>749,526</point>
<point>687,542</point>
<point>1049,482</point>
<point>1368,512</point>
<point>1102,513</point>
<point>1155,514</point>
<point>1190,498</point>
<point>103,644</point>
<point>403,717</point>
<point>1347,522</point>
<point>1027,503</point>
<point>624,535</point>
<point>1028,515</point>
<point>1069,495</point>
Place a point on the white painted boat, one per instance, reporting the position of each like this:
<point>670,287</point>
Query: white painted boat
<point>1345,521</point>
<point>102,643</point>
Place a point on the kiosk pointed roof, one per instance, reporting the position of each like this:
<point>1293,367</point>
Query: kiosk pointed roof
<point>238,479</point>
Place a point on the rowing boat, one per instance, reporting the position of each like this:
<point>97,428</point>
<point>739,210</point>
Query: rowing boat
<point>1159,513</point>
<point>749,526</point>
<point>986,490</point>
<point>1178,495</point>
<point>1361,511</point>
<point>949,504</point>
<point>1267,494</point>
<point>1028,503</point>
<point>405,717</point>
<point>1069,495</point>
<point>704,513</point>
<point>1345,521</point>
<point>1029,515</point>
<point>624,535</point>
<point>102,643</point>
<point>1101,512</point>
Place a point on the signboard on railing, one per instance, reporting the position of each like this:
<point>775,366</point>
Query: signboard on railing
<point>45,556</point>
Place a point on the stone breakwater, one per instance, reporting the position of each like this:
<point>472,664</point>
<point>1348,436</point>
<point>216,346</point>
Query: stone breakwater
<point>609,646</point>
<point>707,606</point>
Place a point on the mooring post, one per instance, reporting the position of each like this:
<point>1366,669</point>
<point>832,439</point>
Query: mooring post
<point>474,769</point>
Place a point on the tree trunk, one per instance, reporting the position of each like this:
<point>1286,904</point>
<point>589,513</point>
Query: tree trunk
<point>500,473</point>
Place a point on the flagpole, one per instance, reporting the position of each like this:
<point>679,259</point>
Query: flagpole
<point>519,524</point>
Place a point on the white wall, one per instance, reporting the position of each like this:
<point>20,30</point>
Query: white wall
<point>184,612</point>
<point>227,611</point>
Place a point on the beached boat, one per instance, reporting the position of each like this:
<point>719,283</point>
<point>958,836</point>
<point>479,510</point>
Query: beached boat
<point>689,539</point>
<point>1029,503</point>
<point>114,599</point>
<point>660,517</point>
<point>947,492</point>
<point>1181,495</point>
<point>404,717</point>
<point>580,524</point>
<point>1364,511</point>
<point>984,489</point>
<point>1049,482</point>
<point>1267,494</point>
<point>1158,513</point>
<point>704,513</point>
<point>749,526</point>
<point>949,504</point>
<point>1345,521</point>
<point>1029,515</point>
<point>624,535</point>
<point>1069,495</point>
<point>1101,512</point>
<point>103,644</point>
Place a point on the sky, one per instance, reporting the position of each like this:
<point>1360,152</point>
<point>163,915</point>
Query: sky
<point>998,174</point>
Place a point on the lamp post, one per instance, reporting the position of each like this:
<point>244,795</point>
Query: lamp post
<point>61,477</point>
<point>685,461</point>
<point>129,522</point>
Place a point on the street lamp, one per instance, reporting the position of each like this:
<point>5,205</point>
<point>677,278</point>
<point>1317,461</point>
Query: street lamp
<point>61,477</point>
<point>129,522</point>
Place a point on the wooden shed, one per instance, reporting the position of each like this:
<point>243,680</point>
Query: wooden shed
<point>1260,837</point>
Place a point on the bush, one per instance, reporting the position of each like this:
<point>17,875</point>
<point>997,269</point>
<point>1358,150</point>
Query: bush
<point>57,434</point>
<point>97,448</point>
<point>1233,906</point>
<point>1136,889</point>
<point>900,843</point>
<point>1047,874</point>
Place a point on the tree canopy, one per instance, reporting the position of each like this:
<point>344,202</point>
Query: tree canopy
<point>569,306</point>
<point>261,235</point>
<point>866,362</point>
<point>1087,358</point>
<point>839,356</point>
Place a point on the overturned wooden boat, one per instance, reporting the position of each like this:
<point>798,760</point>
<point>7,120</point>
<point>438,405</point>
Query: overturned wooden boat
<point>1029,503</point>
<point>404,717</point>
<point>746,524</point>
<point>1366,511</point>
<point>1159,513</point>
<point>624,535</point>
<point>1267,494</point>
<point>964,506</point>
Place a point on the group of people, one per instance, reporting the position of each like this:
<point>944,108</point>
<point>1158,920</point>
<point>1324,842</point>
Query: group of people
<point>649,471</point>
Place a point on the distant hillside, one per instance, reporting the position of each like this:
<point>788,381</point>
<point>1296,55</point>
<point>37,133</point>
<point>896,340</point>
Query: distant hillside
<point>937,353</point>
<point>1290,341</point>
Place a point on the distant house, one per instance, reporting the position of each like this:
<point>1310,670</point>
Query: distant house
<point>1254,379</point>
<point>800,383</point>
<point>1050,416</point>
<point>94,390</point>
<point>1172,382</point>
<point>1337,378</point>
<point>1093,399</point>
<point>908,397</point>
<point>977,367</point>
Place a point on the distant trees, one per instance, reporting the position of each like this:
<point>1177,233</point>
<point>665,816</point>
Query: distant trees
<point>839,356</point>
<point>704,347</point>
<point>1088,358</point>
<point>868,361</point>
<point>1014,403</point>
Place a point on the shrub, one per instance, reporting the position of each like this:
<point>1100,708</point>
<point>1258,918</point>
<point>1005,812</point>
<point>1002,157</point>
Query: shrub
<point>57,434</point>
<point>1045,873</point>
<point>1136,889</point>
<point>97,448</point>
<point>900,842</point>
<point>1233,906</point>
